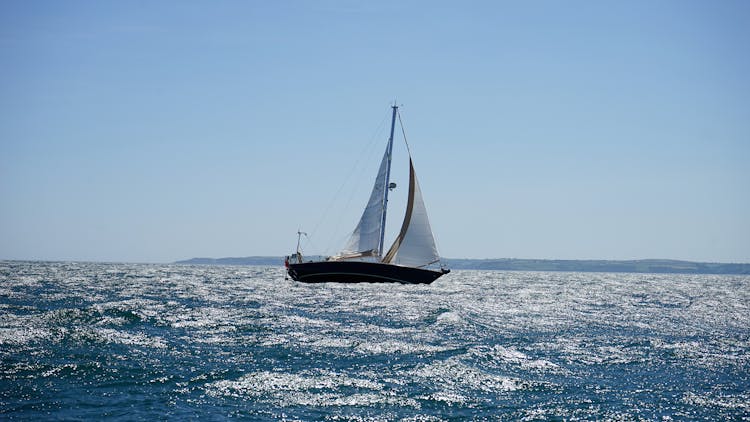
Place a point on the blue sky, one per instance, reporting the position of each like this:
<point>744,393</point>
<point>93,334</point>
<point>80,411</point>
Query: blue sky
<point>157,131</point>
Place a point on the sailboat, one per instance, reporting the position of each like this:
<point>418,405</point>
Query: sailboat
<point>412,258</point>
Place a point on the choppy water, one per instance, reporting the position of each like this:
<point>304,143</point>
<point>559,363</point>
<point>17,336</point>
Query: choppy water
<point>93,341</point>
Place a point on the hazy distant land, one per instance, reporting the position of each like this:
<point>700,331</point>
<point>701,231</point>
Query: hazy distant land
<point>666,266</point>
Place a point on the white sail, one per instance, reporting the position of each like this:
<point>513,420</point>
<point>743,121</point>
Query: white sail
<point>415,245</point>
<point>365,239</point>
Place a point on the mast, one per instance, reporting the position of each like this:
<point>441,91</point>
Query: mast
<point>387,180</point>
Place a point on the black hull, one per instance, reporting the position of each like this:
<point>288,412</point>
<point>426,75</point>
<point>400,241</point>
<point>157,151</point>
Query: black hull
<point>360,272</point>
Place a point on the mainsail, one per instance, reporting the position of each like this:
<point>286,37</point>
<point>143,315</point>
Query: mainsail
<point>415,244</point>
<point>365,240</point>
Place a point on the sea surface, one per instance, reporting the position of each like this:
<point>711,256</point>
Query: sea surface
<point>86,341</point>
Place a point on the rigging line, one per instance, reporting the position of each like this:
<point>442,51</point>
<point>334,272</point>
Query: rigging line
<point>367,153</point>
<point>429,263</point>
<point>403,132</point>
<point>349,174</point>
<point>338,240</point>
<point>363,153</point>
<point>307,241</point>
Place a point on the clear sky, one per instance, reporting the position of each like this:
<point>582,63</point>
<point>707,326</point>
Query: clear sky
<point>156,131</point>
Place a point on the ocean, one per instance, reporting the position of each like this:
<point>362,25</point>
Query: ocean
<point>89,341</point>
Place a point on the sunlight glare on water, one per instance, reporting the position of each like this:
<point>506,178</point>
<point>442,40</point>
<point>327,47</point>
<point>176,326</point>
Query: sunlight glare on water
<point>125,341</point>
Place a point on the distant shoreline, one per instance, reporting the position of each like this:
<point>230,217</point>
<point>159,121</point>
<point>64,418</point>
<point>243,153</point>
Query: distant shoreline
<point>657,266</point>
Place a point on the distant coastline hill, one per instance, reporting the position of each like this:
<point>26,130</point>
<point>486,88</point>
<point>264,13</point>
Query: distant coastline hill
<point>248,260</point>
<point>665,266</point>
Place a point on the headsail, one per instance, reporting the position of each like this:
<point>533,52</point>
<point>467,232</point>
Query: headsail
<point>365,240</point>
<point>415,244</point>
